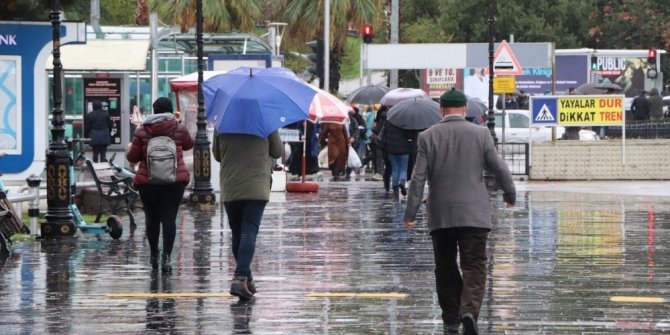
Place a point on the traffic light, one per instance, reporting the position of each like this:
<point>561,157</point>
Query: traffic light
<point>594,63</point>
<point>368,33</point>
<point>317,57</point>
<point>651,57</point>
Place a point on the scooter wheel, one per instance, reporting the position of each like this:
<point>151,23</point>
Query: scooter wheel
<point>115,227</point>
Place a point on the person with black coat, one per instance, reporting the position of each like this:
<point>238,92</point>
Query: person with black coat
<point>97,127</point>
<point>640,107</point>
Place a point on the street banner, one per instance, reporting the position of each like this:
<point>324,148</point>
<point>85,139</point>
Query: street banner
<point>437,81</point>
<point>578,110</point>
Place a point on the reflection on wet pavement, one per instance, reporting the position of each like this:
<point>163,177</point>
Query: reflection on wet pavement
<point>341,262</point>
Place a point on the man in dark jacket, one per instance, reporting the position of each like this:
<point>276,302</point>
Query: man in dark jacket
<point>640,107</point>
<point>452,156</point>
<point>97,127</point>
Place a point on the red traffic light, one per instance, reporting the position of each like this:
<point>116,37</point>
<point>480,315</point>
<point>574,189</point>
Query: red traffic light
<point>367,30</point>
<point>651,57</point>
<point>651,53</point>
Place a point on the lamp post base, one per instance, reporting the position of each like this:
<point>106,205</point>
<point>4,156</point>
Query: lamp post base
<point>203,197</point>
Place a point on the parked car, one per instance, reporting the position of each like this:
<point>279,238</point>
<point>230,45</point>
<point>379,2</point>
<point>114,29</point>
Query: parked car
<point>518,130</point>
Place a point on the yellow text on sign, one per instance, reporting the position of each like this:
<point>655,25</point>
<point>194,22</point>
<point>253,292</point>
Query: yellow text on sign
<point>590,110</point>
<point>504,85</point>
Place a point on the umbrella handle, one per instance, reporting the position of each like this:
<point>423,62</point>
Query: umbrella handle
<point>304,152</point>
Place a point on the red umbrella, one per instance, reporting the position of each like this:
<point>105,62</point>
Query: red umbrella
<point>325,108</point>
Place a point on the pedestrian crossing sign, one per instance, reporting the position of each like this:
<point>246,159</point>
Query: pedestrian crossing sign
<point>545,111</point>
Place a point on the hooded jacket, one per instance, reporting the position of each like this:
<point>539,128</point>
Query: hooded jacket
<point>163,124</point>
<point>655,104</point>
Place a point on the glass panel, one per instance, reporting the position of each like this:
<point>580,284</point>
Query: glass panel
<point>498,120</point>
<point>518,121</point>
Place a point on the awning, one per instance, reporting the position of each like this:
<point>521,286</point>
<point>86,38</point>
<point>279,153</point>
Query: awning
<point>104,55</point>
<point>189,82</point>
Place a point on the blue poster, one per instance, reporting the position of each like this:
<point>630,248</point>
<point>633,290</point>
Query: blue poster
<point>571,71</point>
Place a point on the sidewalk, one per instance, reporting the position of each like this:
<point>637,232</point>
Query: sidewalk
<point>570,258</point>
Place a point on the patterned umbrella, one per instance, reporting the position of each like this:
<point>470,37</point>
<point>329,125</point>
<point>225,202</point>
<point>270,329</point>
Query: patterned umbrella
<point>327,108</point>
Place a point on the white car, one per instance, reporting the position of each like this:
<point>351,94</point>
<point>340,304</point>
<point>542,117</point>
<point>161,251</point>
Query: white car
<point>517,129</point>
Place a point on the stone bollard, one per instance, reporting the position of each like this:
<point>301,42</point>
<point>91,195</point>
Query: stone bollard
<point>34,207</point>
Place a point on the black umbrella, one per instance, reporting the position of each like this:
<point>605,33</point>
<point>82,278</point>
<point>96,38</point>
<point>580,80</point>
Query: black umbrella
<point>395,96</point>
<point>414,114</point>
<point>593,88</point>
<point>475,108</point>
<point>368,95</point>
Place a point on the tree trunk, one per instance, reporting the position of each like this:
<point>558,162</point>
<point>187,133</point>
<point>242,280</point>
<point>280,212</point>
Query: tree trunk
<point>141,13</point>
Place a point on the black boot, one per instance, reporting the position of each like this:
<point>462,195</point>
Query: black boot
<point>154,260</point>
<point>239,288</point>
<point>165,263</point>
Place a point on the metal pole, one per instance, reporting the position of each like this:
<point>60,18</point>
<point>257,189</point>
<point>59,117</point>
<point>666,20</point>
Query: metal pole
<point>366,47</point>
<point>360,63</point>
<point>491,114</point>
<point>326,46</point>
<point>202,164</point>
<point>59,219</point>
<point>153,30</point>
<point>395,23</point>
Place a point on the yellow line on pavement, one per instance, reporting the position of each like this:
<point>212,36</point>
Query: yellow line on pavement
<point>179,295</point>
<point>357,295</point>
<point>640,299</point>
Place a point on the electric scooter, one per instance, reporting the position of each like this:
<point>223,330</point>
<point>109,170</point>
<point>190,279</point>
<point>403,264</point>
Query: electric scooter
<point>113,226</point>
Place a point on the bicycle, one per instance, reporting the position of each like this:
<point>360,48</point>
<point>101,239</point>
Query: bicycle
<point>10,221</point>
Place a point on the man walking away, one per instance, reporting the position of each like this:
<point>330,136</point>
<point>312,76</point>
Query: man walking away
<point>640,107</point>
<point>452,156</point>
<point>655,105</point>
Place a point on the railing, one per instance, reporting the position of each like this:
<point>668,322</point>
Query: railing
<point>516,156</point>
<point>646,129</point>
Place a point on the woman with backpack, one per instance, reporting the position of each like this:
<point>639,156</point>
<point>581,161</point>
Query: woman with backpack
<point>162,176</point>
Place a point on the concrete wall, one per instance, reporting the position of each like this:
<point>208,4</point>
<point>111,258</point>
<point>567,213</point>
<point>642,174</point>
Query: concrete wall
<point>600,160</point>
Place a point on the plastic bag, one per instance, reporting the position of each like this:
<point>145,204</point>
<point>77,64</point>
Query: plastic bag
<point>354,161</point>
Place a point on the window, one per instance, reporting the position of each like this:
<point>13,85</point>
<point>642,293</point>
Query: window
<point>518,120</point>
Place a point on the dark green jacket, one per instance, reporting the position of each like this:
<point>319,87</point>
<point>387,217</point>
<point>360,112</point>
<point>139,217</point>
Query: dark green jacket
<point>246,165</point>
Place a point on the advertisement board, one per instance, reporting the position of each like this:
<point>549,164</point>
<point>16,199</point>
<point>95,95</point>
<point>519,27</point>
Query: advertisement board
<point>108,91</point>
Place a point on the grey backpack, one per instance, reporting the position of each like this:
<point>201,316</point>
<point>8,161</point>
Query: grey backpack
<point>162,160</point>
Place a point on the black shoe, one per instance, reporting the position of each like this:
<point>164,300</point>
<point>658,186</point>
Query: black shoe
<point>154,261</point>
<point>451,329</point>
<point>469,324</point>
<point>165,263</point>
<point>251,286</point>
<point>239,288</point>
<point>403,188</point>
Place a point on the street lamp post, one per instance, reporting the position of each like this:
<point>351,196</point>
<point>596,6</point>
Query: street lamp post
<point>202,165</point>
<point>492,26</point>
<point>489,179</point>
<point>59,219</point>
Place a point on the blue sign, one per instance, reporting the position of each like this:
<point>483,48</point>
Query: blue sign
<point>24,49</point>
<point>545,110</point>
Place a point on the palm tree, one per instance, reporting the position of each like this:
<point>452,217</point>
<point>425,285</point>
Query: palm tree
<point>219,16</point>
<point>305,18</point>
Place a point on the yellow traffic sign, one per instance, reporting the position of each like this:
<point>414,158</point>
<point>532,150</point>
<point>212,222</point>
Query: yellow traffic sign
<point>504,85</point>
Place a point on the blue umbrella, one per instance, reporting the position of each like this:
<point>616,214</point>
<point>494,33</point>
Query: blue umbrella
<point>256,101</point>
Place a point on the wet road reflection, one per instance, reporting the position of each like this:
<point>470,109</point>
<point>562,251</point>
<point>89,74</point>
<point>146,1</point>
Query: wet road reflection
<point>341,262</point>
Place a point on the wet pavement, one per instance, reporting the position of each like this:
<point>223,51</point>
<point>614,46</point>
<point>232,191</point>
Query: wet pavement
<point>570,258</point>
